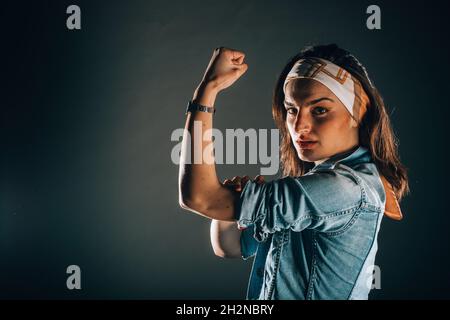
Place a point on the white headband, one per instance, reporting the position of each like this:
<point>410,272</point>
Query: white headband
<point>346,87</point>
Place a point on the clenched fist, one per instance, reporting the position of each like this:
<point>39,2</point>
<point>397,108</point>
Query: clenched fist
<point>226,66</point>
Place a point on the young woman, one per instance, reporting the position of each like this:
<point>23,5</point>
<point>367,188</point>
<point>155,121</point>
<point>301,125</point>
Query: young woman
<point>313,232</point>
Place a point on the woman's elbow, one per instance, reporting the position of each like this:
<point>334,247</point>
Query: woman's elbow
<point>212,205</point>
<point>226,254</point>
<point>190,204</point>
<point>185,200</point>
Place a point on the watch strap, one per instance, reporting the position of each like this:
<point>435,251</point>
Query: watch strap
<point>192,106</point>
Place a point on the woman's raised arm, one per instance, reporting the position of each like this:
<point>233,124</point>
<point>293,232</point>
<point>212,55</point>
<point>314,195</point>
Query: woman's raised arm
<point>200,190</point>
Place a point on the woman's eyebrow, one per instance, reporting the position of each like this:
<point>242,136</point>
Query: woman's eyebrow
<point>318,100</point>
<point>310,102</point>
<point>288,103</point>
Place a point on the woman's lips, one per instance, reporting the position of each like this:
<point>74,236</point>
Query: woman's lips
<point>306,144</point>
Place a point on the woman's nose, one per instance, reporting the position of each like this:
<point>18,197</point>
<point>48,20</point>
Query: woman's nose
<point>303,122</point>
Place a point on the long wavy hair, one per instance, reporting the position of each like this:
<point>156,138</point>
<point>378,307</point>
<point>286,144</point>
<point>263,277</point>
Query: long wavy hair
<point>375,131</point>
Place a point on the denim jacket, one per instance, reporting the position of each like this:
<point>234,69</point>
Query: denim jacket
<point>314,236</point>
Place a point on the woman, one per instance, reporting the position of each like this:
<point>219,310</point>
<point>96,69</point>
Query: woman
<point>313,232</point>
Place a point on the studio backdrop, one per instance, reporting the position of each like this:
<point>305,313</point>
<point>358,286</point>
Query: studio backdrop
<point>93,98</point>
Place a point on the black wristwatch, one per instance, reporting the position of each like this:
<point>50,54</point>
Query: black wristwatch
<point>192,106</point>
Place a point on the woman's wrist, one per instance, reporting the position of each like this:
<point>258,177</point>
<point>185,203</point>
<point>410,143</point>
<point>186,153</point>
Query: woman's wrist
<point>205,94</point>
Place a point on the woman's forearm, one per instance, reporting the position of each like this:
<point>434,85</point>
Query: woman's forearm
<point>206,95</point>
<point>199,188</point>
<point>225,239</point>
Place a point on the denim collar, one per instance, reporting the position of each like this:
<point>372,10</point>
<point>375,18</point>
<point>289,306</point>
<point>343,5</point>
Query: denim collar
<point>350,158</point>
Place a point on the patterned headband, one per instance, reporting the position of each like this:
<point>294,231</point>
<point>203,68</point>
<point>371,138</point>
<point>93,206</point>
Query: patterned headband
<point>342,83</point>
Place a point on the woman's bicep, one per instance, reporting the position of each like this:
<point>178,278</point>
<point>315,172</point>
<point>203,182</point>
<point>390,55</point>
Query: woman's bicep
<point>216,203</point>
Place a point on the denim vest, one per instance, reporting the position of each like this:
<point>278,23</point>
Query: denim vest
<point>314,236</point>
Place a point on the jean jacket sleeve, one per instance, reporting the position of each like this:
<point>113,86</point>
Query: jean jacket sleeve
<point>324,200</point>
<point>249,245</point>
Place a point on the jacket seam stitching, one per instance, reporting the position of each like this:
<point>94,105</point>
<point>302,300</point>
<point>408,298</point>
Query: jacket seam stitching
<point>276,266</point>
<point>367,254</point>
<point>313,268</point>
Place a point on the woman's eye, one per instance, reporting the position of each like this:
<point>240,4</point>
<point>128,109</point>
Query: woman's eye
<point>319,111</point>
<point>292,111</point>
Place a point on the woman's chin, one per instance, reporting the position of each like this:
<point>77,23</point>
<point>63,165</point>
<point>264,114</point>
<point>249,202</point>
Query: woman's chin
<point>308,155</point>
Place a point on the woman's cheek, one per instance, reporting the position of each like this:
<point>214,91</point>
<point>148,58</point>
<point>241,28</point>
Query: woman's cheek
<point>290,126</point>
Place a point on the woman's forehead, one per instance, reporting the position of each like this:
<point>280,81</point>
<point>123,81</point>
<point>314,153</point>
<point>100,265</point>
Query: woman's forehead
<point>303,89</point>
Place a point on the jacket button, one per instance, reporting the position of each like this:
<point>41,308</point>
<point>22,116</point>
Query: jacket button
<point>260,272</point>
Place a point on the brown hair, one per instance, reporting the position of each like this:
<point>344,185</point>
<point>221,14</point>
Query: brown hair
<point>375,131</point>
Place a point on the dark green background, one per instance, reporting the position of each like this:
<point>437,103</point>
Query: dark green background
<point>86,117</point>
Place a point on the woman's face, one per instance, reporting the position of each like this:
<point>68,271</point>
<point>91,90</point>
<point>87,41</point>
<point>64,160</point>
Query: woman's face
<point>314,113</point>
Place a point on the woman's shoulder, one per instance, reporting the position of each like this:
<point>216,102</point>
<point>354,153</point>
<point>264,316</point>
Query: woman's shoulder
<point>328,190</point>
<point>371,184</point>
<point>367,177</point>
<point>338,188</point>
<point>356,168</point>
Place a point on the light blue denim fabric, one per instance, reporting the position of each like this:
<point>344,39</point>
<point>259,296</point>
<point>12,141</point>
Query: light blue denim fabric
<point>314,236</point>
